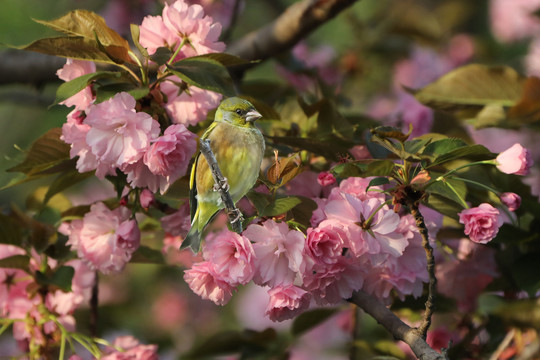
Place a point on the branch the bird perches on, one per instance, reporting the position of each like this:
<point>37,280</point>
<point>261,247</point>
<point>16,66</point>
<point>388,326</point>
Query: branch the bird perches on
<point>221,185</point>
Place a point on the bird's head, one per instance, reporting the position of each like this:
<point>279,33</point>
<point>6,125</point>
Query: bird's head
<point>238,112</point>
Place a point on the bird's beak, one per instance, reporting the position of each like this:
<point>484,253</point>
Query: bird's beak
<point>253,115</point>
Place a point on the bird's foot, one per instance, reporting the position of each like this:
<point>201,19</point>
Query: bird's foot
<point>221,185</point>
<point>237,214</point>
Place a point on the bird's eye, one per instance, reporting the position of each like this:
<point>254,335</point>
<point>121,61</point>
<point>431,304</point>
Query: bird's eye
<point>239,112</point>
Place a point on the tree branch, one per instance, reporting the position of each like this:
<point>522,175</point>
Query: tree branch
<point>235,216</point>
<point>27,67</point>
<point>395,326</point>
<point>295,23</point>
<point>432,286</point>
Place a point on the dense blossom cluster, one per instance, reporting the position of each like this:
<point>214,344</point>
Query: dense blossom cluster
<point>356,242</point>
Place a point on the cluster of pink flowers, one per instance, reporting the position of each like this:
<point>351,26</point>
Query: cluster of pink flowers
<point>19,302</point>
<point>356,242</point>
<point>187,26</point>
<point>112,135</point>
<point>104,239</point>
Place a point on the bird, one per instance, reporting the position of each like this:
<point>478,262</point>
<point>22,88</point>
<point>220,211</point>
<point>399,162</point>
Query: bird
<point>238,146</point>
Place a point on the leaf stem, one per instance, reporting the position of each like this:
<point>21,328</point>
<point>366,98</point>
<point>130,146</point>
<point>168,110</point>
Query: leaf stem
<point>442,177</point>
<point>463,203</point>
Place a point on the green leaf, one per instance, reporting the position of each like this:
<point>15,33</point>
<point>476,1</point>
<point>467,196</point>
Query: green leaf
<point>364,168</point>
<point>135,36</point>
<point>441,147</point>
<point>72,87</point>
<point>45,153</point>
<point>225,59</point>
<point>474,152</point>
<point>105,92</point>
<point>161,56</point>
<point>310,319</point>
<point>204,73</point>
<point>61,278</point>
<point>65,180</point>
<point>472,87</point>
<point>74,47</point>
<point>86,24</point>
<point>280,206</point>
<point>444,189</point>
<point>331,147</point>
<point>10,231</point>
<point>146,255</point>
<point>378,181</point>
<point>15,262</point>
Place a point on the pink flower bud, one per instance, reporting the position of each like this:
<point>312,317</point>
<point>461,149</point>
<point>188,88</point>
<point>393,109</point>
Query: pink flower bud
<point>482,223</point>
<point>325,178</point>
<point>511,200</point>
<point>515,160</point>
<point>146,198</point>
<point>421,178</point>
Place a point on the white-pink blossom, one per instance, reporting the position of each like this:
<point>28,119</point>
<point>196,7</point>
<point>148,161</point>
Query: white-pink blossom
<point>127,347</point>
<point>515,160</point>
<point>169,154</point>
<point>179,24</point>
<point>188,108</point>
<point>371,227</point>
<point>232,255</point>
<point>105,239</point>
<point>72,70</point>
<point>286,301</point>
<point>513,20</point>
<point>482,223</point>
<point>511,200</point>
<point>279,252</point>
<point>326,242</point>
<point>178,223</point>
<point>204,281</point>
<point>118,134</point>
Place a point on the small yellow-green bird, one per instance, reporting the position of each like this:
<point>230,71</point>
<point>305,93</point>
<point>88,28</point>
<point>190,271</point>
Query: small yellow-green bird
<point>239,148</point>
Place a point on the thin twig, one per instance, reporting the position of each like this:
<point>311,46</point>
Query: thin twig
<point>395,326</point>
<point>235,216</point>
<point>94,306</point>
<point>432,286</point>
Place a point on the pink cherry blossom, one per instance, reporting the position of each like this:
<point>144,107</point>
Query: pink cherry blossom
<point>513,20</point>
<point>119,135</point>
<point>105,239</point>
<point>232,255</point>
<point>146,198</point>
<point>188,109</point>
<point>358,187</point>
<point>482,223</point>
<point>72,70</point>
<point>515,160</point>
<point>130,348</point>
<point>179,23</point>
<point>74,132</point>
<point>204,280</point>
<point>511,200</point>
<point>169,154</point>
<point>279,252</point>
<point>222,11</point>
<point>329,284</point>
<point>326,178</point>
<point>371,227</point>
<point>326,242</point>
<point>286,301</point>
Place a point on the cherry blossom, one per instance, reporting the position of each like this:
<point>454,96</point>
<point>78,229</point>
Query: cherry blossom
<point>205,281</point>
<point>286,301</point>
<point>278,250</point>
<point>72,70</point>
<point>482,223</point>
<point>105,239</point>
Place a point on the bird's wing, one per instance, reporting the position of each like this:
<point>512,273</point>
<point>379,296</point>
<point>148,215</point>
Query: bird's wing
<point>193,176</point>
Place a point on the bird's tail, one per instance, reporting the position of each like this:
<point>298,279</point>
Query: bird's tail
<point>193,237</point>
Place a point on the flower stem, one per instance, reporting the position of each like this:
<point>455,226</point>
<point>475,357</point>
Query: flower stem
<point>442,177</point>
<point>457,194</point>
<point>496,192</point>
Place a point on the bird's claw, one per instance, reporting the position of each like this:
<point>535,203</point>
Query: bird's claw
<point>221,185</point>
<point>238,216</point>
